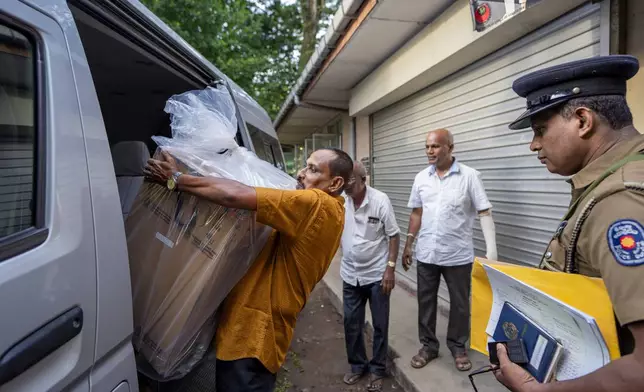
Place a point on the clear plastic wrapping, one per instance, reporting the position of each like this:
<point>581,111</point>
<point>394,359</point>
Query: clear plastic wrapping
<point>186,253</point>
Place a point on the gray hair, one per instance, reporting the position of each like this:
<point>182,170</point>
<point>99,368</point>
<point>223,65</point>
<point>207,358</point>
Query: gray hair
<point>359,169</point>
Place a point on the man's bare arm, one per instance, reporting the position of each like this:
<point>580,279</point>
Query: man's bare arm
<point>394,245</point>
<point>623,375</point>
<point>228,193</point>
<point>225,192</point>
<point>414,225</point>
<point>414,221</point>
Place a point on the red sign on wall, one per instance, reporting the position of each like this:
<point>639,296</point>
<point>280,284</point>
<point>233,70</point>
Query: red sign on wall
<point>486,13</point>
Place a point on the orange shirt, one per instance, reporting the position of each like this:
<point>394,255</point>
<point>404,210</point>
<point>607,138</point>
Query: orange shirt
<point>258,317</point>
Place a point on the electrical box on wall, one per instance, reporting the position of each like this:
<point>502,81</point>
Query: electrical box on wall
<point>486,13</point>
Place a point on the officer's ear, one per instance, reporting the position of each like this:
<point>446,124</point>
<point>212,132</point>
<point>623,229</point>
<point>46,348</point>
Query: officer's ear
<point>586,121</point>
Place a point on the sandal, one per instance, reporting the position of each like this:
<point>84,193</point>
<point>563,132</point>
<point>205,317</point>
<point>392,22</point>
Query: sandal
<point>462,363</point>
<point>352,378</point>
<point>375,383</point>
<point>422,358</point>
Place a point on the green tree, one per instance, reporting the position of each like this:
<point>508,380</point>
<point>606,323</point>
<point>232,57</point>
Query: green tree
<point>254,42</point>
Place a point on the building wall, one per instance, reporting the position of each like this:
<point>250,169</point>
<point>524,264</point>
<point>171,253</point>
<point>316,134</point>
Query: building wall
<point>347,143</point>
<point>363,139</point>
<point>635,47</point>
<point>476,104</point>
<point>445,46</point>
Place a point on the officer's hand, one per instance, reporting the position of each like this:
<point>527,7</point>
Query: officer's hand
<point>388,280</point>
<point>406,258</point>
<point>513,376</point>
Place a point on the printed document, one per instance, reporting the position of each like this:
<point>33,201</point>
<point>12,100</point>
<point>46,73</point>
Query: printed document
<point>584,347</point>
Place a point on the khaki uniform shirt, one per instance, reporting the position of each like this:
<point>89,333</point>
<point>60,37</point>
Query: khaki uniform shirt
<point>610,242</point>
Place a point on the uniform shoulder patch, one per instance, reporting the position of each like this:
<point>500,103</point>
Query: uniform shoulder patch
<point>626,242</point>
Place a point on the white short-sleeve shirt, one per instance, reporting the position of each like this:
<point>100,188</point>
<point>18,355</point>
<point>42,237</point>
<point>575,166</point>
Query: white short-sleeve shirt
<point>450,206</point>
<point>365,238</point>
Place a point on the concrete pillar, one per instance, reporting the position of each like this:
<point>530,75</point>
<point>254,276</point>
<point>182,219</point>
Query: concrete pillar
<point>363,141</point>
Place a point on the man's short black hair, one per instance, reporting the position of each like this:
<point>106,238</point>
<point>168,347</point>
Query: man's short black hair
<point>341,166</point>
<point>612,109</point>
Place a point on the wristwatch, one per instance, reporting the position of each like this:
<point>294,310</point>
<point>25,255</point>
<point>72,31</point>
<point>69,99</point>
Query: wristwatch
<point>391,264</point>
<point>172,181</point>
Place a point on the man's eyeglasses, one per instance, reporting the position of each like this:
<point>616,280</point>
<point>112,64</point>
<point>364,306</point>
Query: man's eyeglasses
<point>484,369</point>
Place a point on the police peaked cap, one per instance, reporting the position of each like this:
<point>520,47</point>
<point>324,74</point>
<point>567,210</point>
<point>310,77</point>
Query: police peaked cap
<point>553,86</point>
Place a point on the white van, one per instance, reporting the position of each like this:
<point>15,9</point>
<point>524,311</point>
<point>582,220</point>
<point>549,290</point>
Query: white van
<point>83,85</point>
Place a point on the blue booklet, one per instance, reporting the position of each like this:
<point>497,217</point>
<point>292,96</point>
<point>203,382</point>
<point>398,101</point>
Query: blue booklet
<point>544,351</point>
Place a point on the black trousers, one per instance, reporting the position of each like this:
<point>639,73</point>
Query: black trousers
<point>355,299</point>
<point>458,279</point>
<point>244,375</point>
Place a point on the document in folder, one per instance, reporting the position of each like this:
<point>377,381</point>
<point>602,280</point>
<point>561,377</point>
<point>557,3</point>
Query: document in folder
<point>587,295</point>
<point>584,348</point>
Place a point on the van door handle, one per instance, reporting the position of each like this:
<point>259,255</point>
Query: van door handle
<point>40,343</point>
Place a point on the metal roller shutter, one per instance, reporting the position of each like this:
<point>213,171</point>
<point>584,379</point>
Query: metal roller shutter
<point>477,104</point>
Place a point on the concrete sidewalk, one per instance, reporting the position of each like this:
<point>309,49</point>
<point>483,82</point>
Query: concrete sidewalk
<point>439,375</point>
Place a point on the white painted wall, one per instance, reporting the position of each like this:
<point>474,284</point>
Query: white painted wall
<point>445,46</point>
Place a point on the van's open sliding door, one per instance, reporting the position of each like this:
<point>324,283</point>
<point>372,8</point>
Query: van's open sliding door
<point>133,24</point>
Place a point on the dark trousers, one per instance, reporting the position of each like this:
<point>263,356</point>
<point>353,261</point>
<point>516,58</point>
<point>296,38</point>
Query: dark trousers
<point>458,281</point>
<point>355,300</point>
<point>244,375</point>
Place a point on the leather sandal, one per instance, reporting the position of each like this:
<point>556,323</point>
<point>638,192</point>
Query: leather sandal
<point>422,358</point>
<point>375,383</point>
<point>352,378</point>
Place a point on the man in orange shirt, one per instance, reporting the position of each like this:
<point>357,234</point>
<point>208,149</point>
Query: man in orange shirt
<point>258,317</point>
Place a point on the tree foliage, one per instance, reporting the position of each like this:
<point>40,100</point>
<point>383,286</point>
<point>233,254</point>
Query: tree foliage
<point>261,44</point>
<point>256,43</point>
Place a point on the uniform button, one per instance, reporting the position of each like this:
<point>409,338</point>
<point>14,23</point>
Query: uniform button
<point>548,255</point>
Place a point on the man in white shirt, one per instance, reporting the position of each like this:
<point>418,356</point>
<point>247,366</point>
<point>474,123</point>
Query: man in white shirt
<point>445,198</point>
<point>370,242</point>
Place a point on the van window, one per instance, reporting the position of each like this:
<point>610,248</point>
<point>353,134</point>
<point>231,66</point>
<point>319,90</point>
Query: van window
<point>17,132</point>
<point>263,146</point>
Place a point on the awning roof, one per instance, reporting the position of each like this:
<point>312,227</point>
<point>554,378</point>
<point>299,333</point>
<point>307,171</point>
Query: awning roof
<point>363,34</point>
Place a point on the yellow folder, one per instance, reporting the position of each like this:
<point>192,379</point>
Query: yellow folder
<point>588,295</point>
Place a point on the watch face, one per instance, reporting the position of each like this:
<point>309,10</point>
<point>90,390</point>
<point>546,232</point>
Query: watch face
<point>171,183</point>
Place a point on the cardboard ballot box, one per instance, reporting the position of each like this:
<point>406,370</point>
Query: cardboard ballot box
<point>186,254</point>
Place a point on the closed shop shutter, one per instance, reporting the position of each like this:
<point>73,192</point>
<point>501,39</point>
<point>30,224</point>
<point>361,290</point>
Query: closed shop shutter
<point>477,104</point>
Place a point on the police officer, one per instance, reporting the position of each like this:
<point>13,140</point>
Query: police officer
<point>583,128</point>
